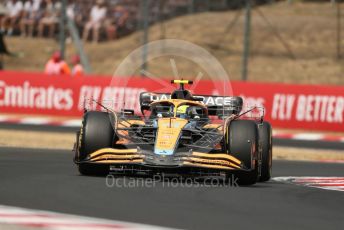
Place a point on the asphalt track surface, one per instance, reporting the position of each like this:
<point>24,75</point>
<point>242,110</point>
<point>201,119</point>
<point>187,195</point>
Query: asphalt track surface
<point>48,180</point>
<point>332,145</point>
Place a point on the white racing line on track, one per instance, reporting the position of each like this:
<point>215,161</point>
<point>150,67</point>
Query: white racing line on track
<point>57,221</point>
<point>328,183</point>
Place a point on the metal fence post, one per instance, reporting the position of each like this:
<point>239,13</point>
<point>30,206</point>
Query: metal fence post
<point>191,6</point>
<point>145,27</point>
<point>62,28</point>
<point>247,35</point>
<point>78,45</point>
<point>339,27</point>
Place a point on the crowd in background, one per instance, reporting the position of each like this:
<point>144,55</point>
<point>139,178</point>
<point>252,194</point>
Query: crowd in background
<point>98,19</point>
<point>41,17</point>
<point>95,19</point>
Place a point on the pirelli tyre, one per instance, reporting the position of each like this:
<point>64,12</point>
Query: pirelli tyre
<point>242,143</point>
<point>96,133</point>
<point>265,139</point>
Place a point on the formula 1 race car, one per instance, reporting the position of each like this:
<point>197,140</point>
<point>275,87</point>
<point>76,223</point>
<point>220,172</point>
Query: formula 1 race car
<point>179,133</point>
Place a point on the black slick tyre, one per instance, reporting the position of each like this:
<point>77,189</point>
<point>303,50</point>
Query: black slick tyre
<point>242,143</point>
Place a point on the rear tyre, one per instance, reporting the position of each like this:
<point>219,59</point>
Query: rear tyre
<point>96,133</point>
<point>265,138</point>
<point>242,141</point>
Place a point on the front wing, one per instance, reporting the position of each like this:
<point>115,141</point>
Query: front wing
<point>138,159</point>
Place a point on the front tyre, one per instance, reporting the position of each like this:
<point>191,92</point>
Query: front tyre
<point>242,142</point>
<point>96,133</point>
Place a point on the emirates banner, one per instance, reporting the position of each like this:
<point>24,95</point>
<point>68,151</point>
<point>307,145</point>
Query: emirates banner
<point>286,106</point>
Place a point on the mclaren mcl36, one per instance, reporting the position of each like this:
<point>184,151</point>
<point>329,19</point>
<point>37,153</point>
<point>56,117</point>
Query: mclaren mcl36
<point>178,133</point>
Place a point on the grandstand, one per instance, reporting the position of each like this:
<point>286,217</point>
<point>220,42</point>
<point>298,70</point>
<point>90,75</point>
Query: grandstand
<point>159,10</point>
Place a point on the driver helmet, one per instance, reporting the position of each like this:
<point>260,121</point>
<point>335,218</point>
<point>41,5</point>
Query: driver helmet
<point>182,111</point>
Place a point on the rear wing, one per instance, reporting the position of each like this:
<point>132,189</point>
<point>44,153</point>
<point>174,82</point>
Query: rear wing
<point>217,105</point>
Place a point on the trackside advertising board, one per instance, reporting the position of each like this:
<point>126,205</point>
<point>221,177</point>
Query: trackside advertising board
<point>287,106</point>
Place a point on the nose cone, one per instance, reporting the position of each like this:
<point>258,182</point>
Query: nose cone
<point>169,131</point>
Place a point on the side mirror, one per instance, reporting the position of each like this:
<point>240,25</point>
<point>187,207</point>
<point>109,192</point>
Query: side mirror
<point>145,100</point>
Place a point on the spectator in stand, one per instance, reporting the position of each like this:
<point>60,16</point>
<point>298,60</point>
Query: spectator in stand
<point>57,66</point>
<point>28,19</point>
<point>36,4</point>
<point>97,17</point>
<point>14,7</point>
<point>31,17</point>
<point>50,18</point>
<point>28,6</point>
<point>116,21</point>
<point>78,69</point>
<point>75,12</point>
<point>70,12</point>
